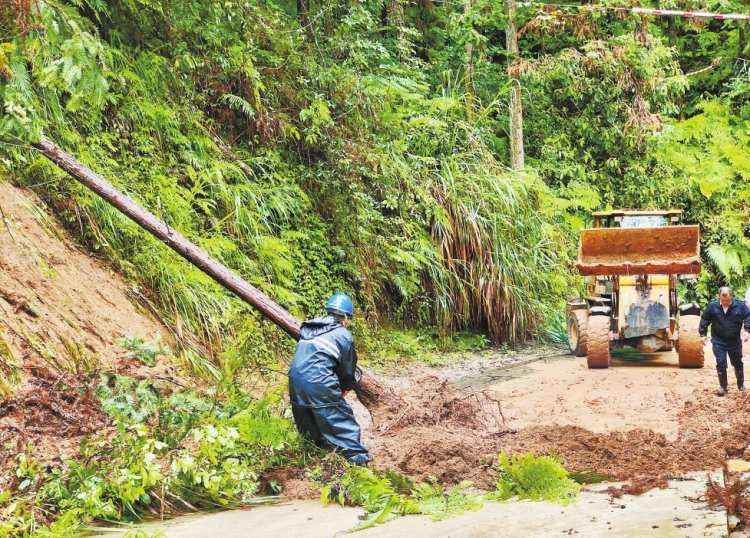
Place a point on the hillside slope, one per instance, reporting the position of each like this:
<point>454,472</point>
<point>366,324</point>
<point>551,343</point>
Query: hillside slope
<point>60,306</point>
<point>61,313</point>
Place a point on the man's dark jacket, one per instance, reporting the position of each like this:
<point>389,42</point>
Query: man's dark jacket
<point>725,328</point>
<point>324,364</point>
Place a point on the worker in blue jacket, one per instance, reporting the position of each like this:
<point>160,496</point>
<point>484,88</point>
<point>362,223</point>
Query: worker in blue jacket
<point>727,316</point>
<point>323,370</point>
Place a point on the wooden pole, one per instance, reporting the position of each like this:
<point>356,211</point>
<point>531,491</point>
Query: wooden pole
<point>171,237</point>
<point>368,391</point>
<point>516,110</point>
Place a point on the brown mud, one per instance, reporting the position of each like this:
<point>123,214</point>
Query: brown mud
<point>61,314</point>
<point>51,414</point>
<point>60,307</point>
<point>594,421</point>
<point>642,420</point>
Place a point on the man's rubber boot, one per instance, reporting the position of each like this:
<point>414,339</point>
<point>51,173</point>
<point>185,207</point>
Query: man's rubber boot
<point>740,374</point>
<point>722,382</point>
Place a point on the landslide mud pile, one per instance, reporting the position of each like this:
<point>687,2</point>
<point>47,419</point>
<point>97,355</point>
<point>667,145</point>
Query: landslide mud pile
<point>432,428</point>
<point>59,307</point>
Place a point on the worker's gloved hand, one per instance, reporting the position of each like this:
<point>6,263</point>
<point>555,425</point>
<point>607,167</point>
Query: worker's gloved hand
<point>704,339</point>
<point>745,336</point>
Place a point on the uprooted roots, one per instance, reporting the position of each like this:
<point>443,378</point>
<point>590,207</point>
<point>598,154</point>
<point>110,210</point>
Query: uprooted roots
<point>434,402</point>
<point>50,408</point>
<point>433,428</point>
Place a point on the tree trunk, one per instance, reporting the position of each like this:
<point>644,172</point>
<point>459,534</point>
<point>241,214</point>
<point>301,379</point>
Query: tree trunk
<point>470,88</point>
<point>303,16</point>
<point>368,392</point>
<point>516,111</point>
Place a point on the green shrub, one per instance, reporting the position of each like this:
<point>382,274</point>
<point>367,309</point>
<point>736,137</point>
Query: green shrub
<point>386,494</point>
<point>138,348</point>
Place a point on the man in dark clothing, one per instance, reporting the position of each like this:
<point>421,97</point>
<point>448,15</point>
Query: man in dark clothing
<point>323,370</point>
<point>727,316</point>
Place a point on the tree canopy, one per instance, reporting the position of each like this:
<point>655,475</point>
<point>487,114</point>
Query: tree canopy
<point>364,147</point>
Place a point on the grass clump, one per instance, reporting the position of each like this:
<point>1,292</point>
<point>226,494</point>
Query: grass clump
<point>8,369</point>
<point>536,478</point>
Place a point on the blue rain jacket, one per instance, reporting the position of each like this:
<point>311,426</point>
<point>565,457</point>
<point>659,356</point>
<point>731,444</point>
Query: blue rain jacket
<point>324,364</point>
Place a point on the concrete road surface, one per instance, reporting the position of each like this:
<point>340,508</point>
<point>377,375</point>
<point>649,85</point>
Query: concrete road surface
<point>678,511</point>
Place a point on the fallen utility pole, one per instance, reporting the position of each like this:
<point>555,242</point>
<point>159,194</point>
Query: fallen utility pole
<point>368,390</point>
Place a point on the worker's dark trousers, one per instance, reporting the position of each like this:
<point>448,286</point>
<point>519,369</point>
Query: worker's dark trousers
<point>721,350</point>
<point>336,425</point>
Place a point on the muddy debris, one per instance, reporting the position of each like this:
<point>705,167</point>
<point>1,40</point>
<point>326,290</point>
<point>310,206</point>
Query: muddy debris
<point>637,487</point>
<point>51,413</point>
<point>432,428</point>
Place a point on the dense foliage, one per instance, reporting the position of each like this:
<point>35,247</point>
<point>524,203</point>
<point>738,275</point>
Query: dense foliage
<point>357,146</point>
<point>168,453</point>
<point>362,147</point>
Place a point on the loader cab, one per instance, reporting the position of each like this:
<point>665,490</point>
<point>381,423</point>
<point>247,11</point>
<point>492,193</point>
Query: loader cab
<point>636,219</point>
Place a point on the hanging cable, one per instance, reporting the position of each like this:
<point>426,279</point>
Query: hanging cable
<point>649,11</point>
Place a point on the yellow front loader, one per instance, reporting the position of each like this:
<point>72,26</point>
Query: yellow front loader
<point>630,261</point>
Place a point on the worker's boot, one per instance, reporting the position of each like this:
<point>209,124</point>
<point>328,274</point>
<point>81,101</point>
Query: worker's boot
<point>740,373</point>
<point>722,382</point>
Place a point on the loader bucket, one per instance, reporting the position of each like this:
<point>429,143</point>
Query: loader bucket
<point>664,250</point>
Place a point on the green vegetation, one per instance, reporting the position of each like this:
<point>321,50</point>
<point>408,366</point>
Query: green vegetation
<point>139,349</point>
<point>310,153</point>
<point>356,146</point>
<point>8,368</point>
<point>385,495</point>
<point>167,454</point>
<point>536,478</point>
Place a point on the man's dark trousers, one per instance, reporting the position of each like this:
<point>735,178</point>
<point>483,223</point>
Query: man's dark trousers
<point>721,350</point>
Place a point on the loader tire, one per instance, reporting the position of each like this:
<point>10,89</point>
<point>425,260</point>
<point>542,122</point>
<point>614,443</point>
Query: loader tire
<point>598,342</point>
<point>690,351</point>
<point>577,332</point>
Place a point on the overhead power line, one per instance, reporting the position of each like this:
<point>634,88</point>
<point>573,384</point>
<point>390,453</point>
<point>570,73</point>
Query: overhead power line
<point>650,11</point>
<point>689,14</point>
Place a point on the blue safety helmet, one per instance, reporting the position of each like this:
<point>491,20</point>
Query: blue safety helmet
<point>340,304</point>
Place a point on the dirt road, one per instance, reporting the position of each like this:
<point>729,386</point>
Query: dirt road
<point>645,391</point>
<point>642,418</point>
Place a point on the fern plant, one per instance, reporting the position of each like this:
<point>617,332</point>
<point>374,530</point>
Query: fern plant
<point>139,349</point>
<point>536,478</point>
<point>432,500</point>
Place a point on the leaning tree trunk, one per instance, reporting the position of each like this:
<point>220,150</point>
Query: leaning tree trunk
<point>368,390</point>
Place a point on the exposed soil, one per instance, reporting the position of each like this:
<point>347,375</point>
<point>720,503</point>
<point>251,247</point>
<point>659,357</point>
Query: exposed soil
<point>643,420</point>
<point>59,307</point>
<point>51,414</point>
<point>61,312</point>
